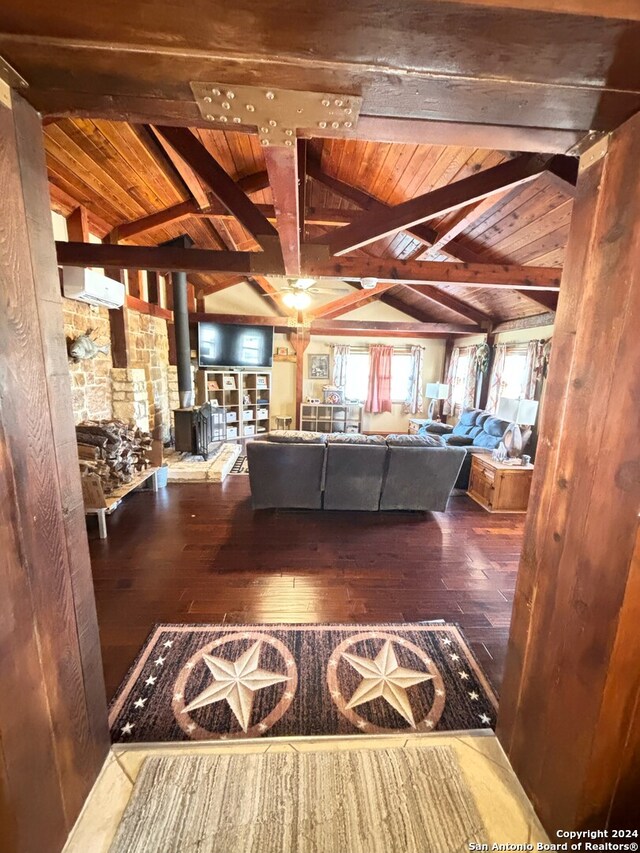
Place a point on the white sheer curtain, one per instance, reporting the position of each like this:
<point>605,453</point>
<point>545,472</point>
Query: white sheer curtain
<point>533,369</point>
<point>471,380</point>
<point>414,400</point>
<point>497,374</point>
<point>340,359</point>
<point>448,407</point>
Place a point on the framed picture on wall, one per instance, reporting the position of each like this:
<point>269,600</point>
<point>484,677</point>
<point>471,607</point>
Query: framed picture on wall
<point>319,366</point>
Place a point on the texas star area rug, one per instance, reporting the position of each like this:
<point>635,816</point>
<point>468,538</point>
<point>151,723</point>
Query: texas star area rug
<point>210,682</point>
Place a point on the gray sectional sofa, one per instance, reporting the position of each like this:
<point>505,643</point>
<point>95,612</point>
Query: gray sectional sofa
<point>305,470</point>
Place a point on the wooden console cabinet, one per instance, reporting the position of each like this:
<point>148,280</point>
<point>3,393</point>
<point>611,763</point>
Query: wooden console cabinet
<point>499,487</point>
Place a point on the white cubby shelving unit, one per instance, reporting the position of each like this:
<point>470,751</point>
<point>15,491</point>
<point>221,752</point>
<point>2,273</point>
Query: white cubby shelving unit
<point>326,417</point>
<point>245,395</point>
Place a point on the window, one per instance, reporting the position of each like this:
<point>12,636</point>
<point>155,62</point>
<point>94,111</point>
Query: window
<point>400,372</point>
<point>358,376</point>
<point>515,364</point>
<point>460,379</point>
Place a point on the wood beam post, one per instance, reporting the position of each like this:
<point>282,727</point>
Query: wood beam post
<point>569,715</point>
<point>282,166</point>
<point>299,341</point>
<point>134,283</point>
<point>53,712</point>
<point>153,291</point>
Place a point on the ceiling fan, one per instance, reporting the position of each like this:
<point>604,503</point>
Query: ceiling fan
<point>297,294</point>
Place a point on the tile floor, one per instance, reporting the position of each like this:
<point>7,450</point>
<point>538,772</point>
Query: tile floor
<point>507,814</point>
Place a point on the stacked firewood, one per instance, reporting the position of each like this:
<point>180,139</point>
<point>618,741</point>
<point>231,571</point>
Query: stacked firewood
<point>114,450</point>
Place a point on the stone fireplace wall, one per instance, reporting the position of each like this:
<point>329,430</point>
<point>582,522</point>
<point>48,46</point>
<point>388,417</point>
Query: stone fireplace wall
<point>149,352</point>
<point>90,378</point>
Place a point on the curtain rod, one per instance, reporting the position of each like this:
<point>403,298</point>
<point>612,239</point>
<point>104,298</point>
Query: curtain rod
<point>364,349</point>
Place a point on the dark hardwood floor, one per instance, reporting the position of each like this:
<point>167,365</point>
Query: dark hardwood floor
<point>198,553</point>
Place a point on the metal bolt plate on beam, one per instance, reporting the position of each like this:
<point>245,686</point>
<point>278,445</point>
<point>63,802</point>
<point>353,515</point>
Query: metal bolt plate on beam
<point>11,77</point>
<point>277,113</point>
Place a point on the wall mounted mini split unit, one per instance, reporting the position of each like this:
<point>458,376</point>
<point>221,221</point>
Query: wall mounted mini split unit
<point>93,287</point>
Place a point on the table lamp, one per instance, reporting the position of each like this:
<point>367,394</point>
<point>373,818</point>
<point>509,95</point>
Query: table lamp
<point>520,413</point>
<point>436,391</point>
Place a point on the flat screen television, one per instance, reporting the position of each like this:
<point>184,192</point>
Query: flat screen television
<point>230,345</point>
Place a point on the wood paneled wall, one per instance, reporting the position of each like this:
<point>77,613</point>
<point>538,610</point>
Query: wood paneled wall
<point>53,729</point>
<point>569,704</point>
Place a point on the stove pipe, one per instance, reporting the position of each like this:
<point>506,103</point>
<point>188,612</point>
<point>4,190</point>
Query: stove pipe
<point>181,328</point>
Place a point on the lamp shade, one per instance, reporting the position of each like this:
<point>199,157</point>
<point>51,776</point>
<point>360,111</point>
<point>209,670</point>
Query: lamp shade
<point>436,391</point>
<point>518,411</point>
<point>508,409</point>
<point>527,412</point>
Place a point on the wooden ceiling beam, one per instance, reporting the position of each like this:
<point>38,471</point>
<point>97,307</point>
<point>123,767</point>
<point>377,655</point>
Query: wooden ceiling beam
<point>223,187</point>
<point>376,224</point>
<point>335,327</point>
<point>440,297</point>
<point>424,233</point>
<point>427,273</point>
<point>282,167</point>
<point>367,202</point>
<point>161,258</point>
<point>254,182</point>
<point>349,302</point>
<point>175,213</point>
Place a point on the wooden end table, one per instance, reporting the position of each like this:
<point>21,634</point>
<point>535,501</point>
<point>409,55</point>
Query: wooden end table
<point>499,486</point>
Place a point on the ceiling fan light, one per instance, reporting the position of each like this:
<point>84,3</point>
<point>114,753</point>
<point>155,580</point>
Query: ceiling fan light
<point>299,301</point>
<point>304,283</point>
<point>369,283</point>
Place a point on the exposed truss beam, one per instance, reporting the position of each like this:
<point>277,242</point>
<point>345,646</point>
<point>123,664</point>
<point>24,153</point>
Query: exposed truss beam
<point>439,297</point>
<point>377,224</point>
<point>254,182</point>
<point>162,258</point>
<point>367,202</point>
<point>223,187</point>
<point>282,166</point>
<point>423,232</point>
<point>421,273</point>
<point>349,302</point>
<point>327,217</point>
<point>337,327</point>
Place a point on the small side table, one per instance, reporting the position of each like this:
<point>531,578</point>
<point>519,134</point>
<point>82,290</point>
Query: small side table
<point>498,486</point>
<point>283,421</point>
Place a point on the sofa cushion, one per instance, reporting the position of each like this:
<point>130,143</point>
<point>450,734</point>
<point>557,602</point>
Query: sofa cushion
<point>435,428</point>
<point>469,417</point>
<point>482,418</point>
<point>402,440</point>
<point>459,440</point>
<point>354,438</point>
<point>496,427</point>
<point>296,436</point>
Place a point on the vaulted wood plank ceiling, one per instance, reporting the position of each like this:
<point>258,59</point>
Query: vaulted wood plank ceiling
<point>121,172</point>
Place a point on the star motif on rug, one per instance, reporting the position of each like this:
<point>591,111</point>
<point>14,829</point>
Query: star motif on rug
<point>474,696</point>
<point>140,703</point>
<point>236,682</point>
<point>446,641</point>
<point>127,728</point>
<point>485,719</point>
<point>168,644</point>
<point>151,680</point>
<point>159,661</point>
<point>383,677</point>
